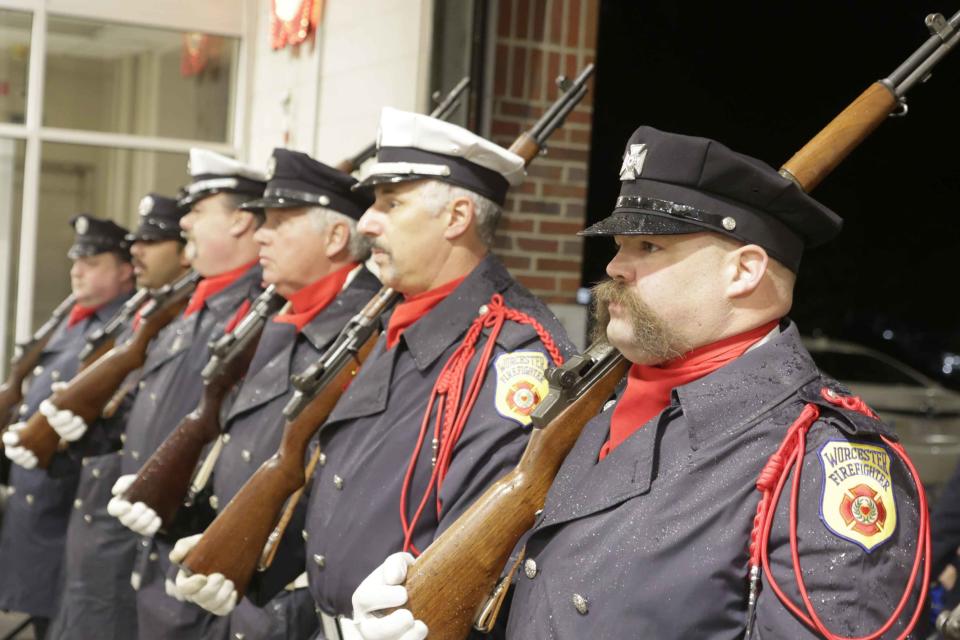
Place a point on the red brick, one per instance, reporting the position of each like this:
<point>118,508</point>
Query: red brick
<point>559,228</point>
<point>501,68</point>
<point>566,153</point>
<point>559,299</point>
<point>542,283</point>
<point>541,170</point>
<point>573,23</point>
<point>527,188</point>
<point>522,25</point>
<point>502,128</point>
<point>556,21</point>
<point>578,136</point>
<point>539,206</point>
<point>575,209</point>
<point>504,16</point>
<point>570,65</point>
<point>553,70</point>
<point>539,20</point>
<point>535,71</point>
<point>570,285</point>
<point>552,264</point>
<point>516,262</point>
<point>513,223</point>
<point>576,174</point>
<point>580,117</point>
<point>502,242</point>
<point>565,191</point>
<point>590,25</point>
<point>518,71</point>
<point>518,109</point>
<point>537,244</point>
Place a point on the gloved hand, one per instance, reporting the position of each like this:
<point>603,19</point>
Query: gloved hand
<point>137,517</point>
<point>12,449</point>
<point>383,589</point>
<point>68,426</point>
<point>214,592</point>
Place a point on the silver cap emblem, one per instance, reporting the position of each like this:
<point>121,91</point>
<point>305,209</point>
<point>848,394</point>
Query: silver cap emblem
<point>633,162</point>
<point>729,223</point>
<point>82,225</point>
<point>146,206</point>
<point>271,167</point>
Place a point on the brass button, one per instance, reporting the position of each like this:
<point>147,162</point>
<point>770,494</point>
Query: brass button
<point>88,518</point>
<point>239,636</point>
<point>530,568</point>
<point>337,482</point>
<point>225,438</point>
<point>245,455</point>
<point>77,503</point>
<point>141,385</point>
<point>95,473</point>
<point>153,556</point>
<point>54,375</point>
<point>322,459</point>
<point>29,498</point>
<point>214,502</point>
<point>135,455</point>
<point>580,604</point>
<point>319,560</point>
<point>37,370</point>
<point>24,409</point>
<point>305,535</point>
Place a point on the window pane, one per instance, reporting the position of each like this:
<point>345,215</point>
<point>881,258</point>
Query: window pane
<point>14,59</point>
<point>139,80</point>
<point>103,181</point>
<point>11,198</point>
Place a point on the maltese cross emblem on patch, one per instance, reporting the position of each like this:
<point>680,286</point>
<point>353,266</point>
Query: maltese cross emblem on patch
<point>633,162</point>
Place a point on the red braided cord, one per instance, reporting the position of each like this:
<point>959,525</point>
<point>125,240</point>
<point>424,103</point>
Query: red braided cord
<point>452,413</point>
<point>792,451</point>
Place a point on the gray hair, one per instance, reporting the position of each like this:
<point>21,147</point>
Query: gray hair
<point>358,246</point>
<point>436,194</point>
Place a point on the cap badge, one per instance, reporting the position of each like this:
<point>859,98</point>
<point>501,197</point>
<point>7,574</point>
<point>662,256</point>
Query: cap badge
<point>82,225</point>
<point>633,162</point>
<point>271,167</point>
<point>729,223</point>
<point>146,205</point>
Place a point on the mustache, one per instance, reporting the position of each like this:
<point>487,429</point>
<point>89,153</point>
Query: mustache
<point>652,336</point>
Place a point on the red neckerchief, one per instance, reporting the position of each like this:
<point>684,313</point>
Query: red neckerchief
<point>648,388</point>
<point>312,299</point>
<point>415,307</point>
<point>212,286</point>
<point>79,313</point>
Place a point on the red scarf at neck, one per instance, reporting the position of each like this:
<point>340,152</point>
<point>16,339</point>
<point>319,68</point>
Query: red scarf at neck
<point>79,313</point>
<point>209,287</point>
<point>306,303</point>
<point>415,307</point>
<point>648,388</point>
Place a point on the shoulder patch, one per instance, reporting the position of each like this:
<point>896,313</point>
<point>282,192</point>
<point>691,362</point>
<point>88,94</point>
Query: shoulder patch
<point>521,384</point>
<point>857,502</point>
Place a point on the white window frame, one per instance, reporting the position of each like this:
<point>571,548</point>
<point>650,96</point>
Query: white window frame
<point>234,18</point>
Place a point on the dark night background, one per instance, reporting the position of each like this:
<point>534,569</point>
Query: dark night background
<point>764,78</point>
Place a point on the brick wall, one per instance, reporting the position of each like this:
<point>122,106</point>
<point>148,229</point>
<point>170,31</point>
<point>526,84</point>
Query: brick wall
<point>537,40</point>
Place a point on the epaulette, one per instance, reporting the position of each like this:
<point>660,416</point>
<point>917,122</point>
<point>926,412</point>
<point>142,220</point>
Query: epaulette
<point>844,410</point>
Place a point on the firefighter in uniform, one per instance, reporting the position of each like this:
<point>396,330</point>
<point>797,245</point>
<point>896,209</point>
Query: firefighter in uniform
<point>38,509</point>
<point>98,600</point>
<point>439,189</point>
<point>649,529</point>
<point>311,250</point>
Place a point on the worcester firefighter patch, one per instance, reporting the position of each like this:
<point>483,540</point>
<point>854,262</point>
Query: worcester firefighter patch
<point>857,502</point>
<point>521,384</point>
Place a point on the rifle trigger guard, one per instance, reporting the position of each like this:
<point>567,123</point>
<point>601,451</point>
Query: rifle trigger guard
<point>902,109</point>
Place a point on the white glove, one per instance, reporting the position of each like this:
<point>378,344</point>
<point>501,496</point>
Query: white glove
<point>214,592</point>
<point>383,589</point>
<point>171,588</point>
<point>12,449</point>
<point>137,517</point>
<point>68,426</point>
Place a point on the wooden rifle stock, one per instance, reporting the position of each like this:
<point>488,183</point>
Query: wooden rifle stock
<point>164,479</point>
<point>90,390</point>
<point>25,358</point>
<point>809,166</point>
<point>233,543</point>
<point>105,338</point>
<point>448,584</point>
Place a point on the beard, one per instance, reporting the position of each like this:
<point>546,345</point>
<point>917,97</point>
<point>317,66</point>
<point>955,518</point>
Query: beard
<point>652,340</point>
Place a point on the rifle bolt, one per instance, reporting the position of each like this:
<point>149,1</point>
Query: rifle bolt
<point>245,455</point>
<point>530,568</point>
<point>580,604</point>
<point>337,482</point>
<point>319,560</point>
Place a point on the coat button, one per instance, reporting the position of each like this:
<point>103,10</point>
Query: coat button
<point>530,568</point>
<point>77,503</point>
<point>319,560</point>
<point>37,370</point>
<point>225,438</point>
<point>322,459</point>
<point>29,498</point>
<point>24,409</point>
<point>580,604</point>
<point>95,473</point>
<point>141,385</point>
<point>153,556</point>
<point>88,518</point>
<point>305,535</point>
<point>214,502</point>
<point>54,375</point>
<point>337,482</point>
<point>135,455</point>
<point>239,636</point>
<point>245,455</point>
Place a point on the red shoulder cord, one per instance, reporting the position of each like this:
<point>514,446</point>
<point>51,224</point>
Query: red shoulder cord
<point>771,483</point>
<point>454,407</point>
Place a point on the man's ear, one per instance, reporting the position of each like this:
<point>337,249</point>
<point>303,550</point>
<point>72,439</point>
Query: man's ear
<point>338,237</point>
<point>747,265</point>
<point>460,216</point>
<point>242,222</point>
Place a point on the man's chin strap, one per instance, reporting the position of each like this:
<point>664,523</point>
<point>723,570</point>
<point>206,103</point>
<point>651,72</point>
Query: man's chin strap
<point>771,482</point>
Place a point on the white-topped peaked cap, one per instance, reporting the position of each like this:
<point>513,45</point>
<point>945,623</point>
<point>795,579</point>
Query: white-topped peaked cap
<point>412,146</point>
<point>214,173</point>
